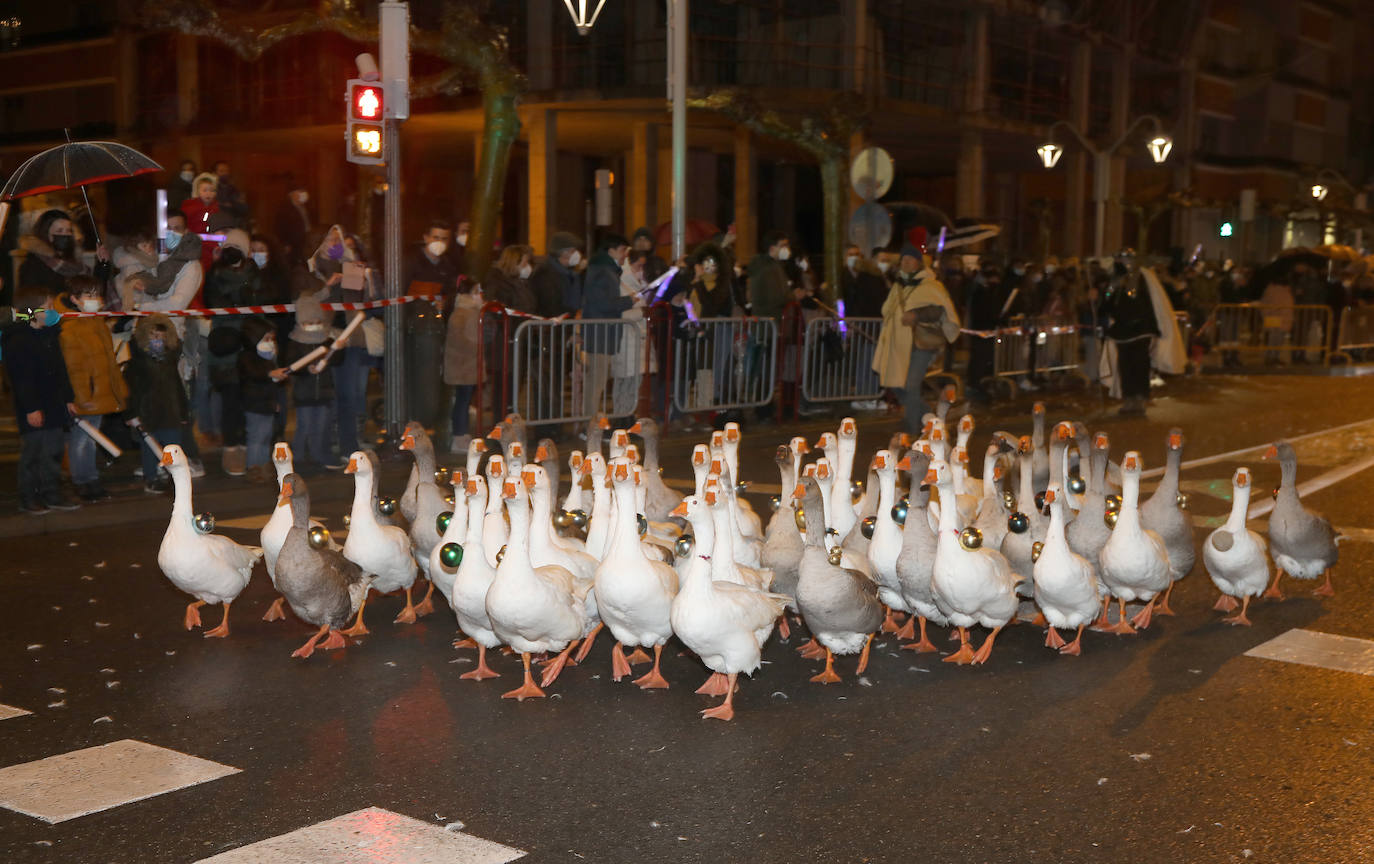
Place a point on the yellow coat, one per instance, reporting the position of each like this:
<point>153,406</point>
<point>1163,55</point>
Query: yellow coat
<point>88,351</point>
<point>893,353</point>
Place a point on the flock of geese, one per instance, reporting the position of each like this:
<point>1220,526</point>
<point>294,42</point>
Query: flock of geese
<point>921,541</point>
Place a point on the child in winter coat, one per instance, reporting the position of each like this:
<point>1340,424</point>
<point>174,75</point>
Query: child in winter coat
<point>312,388</point>
<point>256,364</point>
<point>88,349</point>
<point>43,400</point>
<point>156,397</point>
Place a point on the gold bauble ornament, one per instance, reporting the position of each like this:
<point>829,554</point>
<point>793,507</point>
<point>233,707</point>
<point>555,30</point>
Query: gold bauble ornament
<point>500,553</point>
<point>1182,501</point>
<point>971,538</point>
<point>799,516</point>
<point>1036,548</point>
<point>835,556</point>
<point>1110,518</point>
<point>347,519</point>
<point>562,519</point>
<point>319,537</point>
<point>1113,503</point>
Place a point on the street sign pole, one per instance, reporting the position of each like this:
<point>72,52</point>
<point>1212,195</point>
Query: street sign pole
<point>394,45</point>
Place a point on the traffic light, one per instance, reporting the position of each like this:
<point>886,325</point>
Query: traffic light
<point>366,130</point>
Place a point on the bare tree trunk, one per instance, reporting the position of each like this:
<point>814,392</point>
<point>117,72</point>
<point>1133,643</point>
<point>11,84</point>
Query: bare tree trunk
<point>501,128</point>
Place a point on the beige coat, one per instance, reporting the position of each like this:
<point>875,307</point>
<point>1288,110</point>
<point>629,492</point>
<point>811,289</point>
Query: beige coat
<point>893,354</point>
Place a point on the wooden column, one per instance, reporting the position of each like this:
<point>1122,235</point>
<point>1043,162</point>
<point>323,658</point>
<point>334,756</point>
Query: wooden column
<point>746,194</point>
<point>543,126</point>
<point>1076,161</point>
<point>640,179</point>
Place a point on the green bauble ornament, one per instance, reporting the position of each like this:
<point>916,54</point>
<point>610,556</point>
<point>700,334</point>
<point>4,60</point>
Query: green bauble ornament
<point>450,556</point>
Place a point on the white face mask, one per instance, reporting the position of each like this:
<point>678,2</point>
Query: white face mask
<point>462,239</point>
<point>804,265</point>
<point>267,348</point>
<point>575,258</point>
<point>90,304</point>
<point>708,266</point>
<point>525,271</point>
<point>436,247</point>
<point>260,259</point>
<point>784,253</point>
<point>302,197</point>
<point>852,262</point>
<point>187,176</point>
<point>884,266</point>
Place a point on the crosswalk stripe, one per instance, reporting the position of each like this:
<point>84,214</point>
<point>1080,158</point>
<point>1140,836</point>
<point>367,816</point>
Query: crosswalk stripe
<point>9,711</point>
<point>88,781</point>
<point>370,836</point>
<point>1314,648</point>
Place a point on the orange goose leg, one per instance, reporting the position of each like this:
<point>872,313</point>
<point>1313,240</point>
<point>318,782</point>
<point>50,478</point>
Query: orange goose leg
<point>223,629</point>
<point>192,617</point>
<point>483,671</point>
<point>726,709</point>
<point>923,645</point>
<point>358,629</point>
<point>1162,607</point>
<point>829,676</point>
<point>528,690</point>
<point>275,612</point>
<point>426,606</point>
<point>653,679</point>
<point>985,651</point>
<point>309,647</point>
<point>964,655</point>
<point>1325,589</point>
<point>1075,647</point>
<point>1273,592</point>
<point>1239,618</point>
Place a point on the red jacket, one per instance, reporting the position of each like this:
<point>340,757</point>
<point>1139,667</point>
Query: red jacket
<point>198,217</point>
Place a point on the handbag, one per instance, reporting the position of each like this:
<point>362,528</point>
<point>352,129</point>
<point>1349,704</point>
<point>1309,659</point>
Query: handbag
<point>374,334</point>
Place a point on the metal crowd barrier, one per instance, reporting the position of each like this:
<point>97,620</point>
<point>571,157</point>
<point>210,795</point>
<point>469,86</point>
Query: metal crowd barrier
<point>1354,333</point>
<point>724,363</point>
<point>1297,333</point>
<point>1056,345</point>
<point>837,359</point>
<point>562,369</point>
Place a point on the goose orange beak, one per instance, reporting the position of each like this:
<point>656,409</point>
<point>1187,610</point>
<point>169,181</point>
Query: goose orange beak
<point>166,458</point>
<point>408,442</point>
<point>636,428</point>
<point>1130,463</point>
<point>603,423</point>
<point>799,493</point>
<point>731,435</point>
<point>904,464</point>
<point>1242,479</point>
<point>508,489</point>
<point>352,466</point>
<point>586,468</point>
<point>931,478</point>
<point>495,433</point>
<point>472,487</point>
<point>1271,453</point>
<point>1175,440</point>
<point>455,477</point>
<point>680,509</point>
<point>904,439</point>
<point>1100,442</point>
<point>1049,496</point>
<point>527,476</point>
<point>280,453</point>
<point>880,461</point>
<point>287,490</point>
<point>715,466</point>
<point>479,445</point>
<point>541,454</point>
<point>802,447</point>
<point>997,473</point>
<point>622,472</point>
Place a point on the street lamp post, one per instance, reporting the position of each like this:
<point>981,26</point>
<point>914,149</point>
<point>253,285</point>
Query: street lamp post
<point>677,95</point>
<point>1159,146</point>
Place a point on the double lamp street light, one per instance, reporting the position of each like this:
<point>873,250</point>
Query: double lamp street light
<point>1159,146</point>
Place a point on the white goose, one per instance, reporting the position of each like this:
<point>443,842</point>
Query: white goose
<point>971,585</point>
<point>532,610</point>
<point>1040,462</point>
<point>210,567</point>
<point>747,550</point>
<point>1235,556</point>
<point>841,514</point>
<point>1135,562</point>
<point>724,624</point>
<point>273,534</point>
<point>749,522</point>
<point>661,499</point>
<point>886,542</point>
<point>494,528</point>
<point>456,532</point>
<point>725,564</point>
<point>467,592</point>
<point>383,551</point>
<point>573,501</point>
<point>992,509</point>
<point>633,593</point>
<point>1065,583</point>
<point>544,552</point>
<point>599,522</point>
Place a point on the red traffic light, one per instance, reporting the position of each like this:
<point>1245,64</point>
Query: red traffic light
<point>366,101</point>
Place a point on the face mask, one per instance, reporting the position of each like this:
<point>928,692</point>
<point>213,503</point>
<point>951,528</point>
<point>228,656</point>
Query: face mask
<point>45,317</point>
<point>852,262</point>
<point>63,243</point>
<point>884,266</point>
<point>436,247</point>
<point>171,240</point>
<point>1019,271</point>
<point>784,253</point>
<point>267,348</point>
<point>335,252</point>
<point>525,271</point>
<point>804,265</point>
<point>231,256</point>
<point>187,176</point>
<point>302,197</point>
<point>462,239</point>
<point>708,266</point>
<point>310,327</point>
<point>575,258</point>
<point>90,304</point>
<point>260,259</point>
<point>156,345</point>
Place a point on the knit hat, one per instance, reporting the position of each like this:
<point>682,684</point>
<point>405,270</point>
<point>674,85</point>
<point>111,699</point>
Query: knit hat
<point>562,241</point>
<point>911,250</point>
<point>237,238</point>
<point>312,322</point>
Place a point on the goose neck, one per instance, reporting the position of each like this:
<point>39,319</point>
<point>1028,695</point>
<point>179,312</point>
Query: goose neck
<point>181,481</point>
<point>1240,508</point>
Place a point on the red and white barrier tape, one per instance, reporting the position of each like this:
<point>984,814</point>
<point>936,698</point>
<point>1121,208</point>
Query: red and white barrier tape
<point>273,309</point>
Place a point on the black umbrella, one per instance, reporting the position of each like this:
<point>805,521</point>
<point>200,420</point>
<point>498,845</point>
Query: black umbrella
<point>76,164</point>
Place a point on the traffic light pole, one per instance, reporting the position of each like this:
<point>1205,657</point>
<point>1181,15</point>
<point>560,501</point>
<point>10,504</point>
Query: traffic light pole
<point>393,365</point>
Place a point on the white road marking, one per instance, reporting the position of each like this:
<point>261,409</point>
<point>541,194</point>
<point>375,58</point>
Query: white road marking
<point>370,836</point>
<point>1325,650</point>
<point>1232,454</point>
<point>9,711</point>
<point>87,781</point>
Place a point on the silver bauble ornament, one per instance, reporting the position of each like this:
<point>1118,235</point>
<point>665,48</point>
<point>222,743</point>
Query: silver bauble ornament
<point>898,513</point>
<point>866,526</point>
<point>774,502</point>
<point>971,538</point>
<point>1018,523</point>
<point>386,505</point>
<point>682,546</point>
<point>347,519</point>
<point>642,524</point>
<point>319,537</point>
<point>205,522</point>
<point>1077,485</point>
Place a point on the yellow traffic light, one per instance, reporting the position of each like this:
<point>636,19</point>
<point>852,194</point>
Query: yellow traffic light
<point>367,141</point>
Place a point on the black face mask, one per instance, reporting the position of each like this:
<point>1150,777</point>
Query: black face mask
<point>231,257</point>
<point>64,243</point>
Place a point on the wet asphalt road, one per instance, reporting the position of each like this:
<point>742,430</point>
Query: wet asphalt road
<point>1168,746</point>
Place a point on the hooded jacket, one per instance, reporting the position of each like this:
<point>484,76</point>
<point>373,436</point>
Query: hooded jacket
<point>38,375</point>
<point>88,351</point>
<point>255,380</point>
<point>156,395</point>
